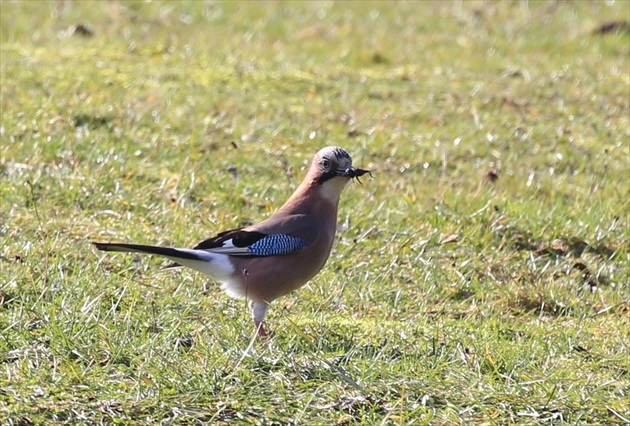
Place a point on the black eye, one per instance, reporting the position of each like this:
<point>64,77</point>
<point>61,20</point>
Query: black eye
<point>325,163</point>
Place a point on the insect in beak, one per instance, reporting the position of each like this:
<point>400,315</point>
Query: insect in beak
<point>353,173</point>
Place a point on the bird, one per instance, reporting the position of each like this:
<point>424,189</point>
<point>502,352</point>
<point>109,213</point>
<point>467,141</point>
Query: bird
<point>270,259</point>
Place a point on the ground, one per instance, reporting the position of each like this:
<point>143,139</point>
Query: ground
<point>482,275</point>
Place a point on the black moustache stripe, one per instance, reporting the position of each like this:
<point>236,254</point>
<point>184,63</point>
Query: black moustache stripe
<point>326,176</point>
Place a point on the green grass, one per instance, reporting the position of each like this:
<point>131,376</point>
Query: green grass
<point>452,298</point>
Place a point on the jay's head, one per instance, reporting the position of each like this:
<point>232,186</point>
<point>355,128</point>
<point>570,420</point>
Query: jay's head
<point>332,169</point>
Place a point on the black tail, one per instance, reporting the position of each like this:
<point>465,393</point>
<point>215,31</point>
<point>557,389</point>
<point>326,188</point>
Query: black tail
<point>139,248</point>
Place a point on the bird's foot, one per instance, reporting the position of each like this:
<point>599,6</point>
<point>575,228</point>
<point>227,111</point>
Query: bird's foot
<point>260,328</point>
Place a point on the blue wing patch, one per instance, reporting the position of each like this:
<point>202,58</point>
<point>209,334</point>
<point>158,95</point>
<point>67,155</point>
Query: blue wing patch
<point>275,244</point>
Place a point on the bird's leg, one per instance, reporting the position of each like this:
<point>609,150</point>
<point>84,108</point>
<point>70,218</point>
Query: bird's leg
<point>260,327</point>
<point>259,310</point>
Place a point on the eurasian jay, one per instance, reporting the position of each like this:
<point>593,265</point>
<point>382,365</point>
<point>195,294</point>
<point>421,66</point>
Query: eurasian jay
<point>265,261</point>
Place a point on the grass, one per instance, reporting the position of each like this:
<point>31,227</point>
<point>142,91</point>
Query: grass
<point>484,274</point>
